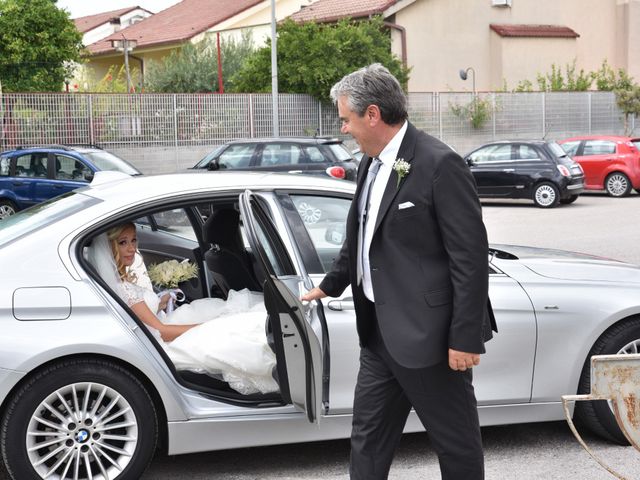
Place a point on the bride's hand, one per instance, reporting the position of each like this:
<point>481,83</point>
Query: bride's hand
<point>164,300</point>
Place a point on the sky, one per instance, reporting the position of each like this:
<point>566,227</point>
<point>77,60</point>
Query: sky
<point>82,8</point>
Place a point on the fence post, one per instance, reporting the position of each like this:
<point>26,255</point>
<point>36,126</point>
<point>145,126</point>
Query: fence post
<point>544,115</point>
<point>92,137</point>
<point>493,115</point>
<point>320,129</point>
<point>589,109</point>
<point>251,125</point>
<point>175,129</point>
<point>439,106</point>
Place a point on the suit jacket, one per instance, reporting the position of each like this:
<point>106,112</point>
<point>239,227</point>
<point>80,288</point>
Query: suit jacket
<point>429,262</point>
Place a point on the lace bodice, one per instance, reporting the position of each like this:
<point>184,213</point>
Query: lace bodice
<point>133,293</point>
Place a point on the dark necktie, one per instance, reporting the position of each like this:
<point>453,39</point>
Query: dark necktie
<point>363,207</point>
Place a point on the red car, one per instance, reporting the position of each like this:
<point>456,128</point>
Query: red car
<point>609,162</point>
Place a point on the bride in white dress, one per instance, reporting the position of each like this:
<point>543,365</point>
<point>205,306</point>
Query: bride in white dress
<point>209,335</point>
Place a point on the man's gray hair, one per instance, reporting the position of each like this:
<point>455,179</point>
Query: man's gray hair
<point>373,85</point>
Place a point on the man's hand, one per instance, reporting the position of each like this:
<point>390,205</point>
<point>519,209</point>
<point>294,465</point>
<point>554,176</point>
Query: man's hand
<point>313,294</point>
<point>462,360</point>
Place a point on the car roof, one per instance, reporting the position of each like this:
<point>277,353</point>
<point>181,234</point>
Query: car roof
<point>120,189</point>
<point>613,138</point>
<point>309,140</point>
<point>59,148</point>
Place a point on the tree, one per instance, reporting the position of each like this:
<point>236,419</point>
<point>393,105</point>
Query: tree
<point>628,100</point>
<point>312,57</point>
<point>38,45</point>
<point>194,68</point>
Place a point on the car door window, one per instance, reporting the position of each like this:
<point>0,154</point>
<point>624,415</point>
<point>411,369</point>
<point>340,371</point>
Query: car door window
<point>315,155</point>
<point>32,165</point>
<point>599,147</point>
<point>526,152</point>
<point>237,156</point>
<point>68,168</point>
<point>492,153</point>
<point>173,221</point>
<point>325,219</point>
<point>280,154</point>
<point>4,166</point>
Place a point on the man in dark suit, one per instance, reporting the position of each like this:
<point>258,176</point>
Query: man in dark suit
<point>416,256</point>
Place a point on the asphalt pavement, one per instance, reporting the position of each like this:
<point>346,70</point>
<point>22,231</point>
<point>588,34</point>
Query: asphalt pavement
<point>594,224</point>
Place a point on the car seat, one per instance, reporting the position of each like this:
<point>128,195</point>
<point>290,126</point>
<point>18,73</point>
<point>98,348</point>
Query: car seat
<point>227,258</point>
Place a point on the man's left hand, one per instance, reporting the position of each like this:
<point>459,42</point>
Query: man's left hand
<point>462,360</point>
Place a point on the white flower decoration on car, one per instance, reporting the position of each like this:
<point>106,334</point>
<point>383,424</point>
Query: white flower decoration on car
<point>402,168</point>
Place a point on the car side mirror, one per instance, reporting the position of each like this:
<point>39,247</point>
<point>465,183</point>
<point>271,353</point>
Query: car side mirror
<point>470,162</point>
<point>213,165</point>
<point>88,175</point>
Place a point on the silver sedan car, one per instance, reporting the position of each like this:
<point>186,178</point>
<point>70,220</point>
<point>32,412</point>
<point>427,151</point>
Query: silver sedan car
<point>87,392</point>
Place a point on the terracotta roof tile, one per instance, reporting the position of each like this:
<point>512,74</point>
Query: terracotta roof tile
<point>84,24</point>
<point>176,24</point>
<point>534,31</point>
<point>332,10</point>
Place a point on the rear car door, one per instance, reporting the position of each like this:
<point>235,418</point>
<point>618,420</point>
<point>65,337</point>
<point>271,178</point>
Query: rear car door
<point>298,331</point>
<point>598,158</point>
<point>30,183</point>
<point>493,170</point>
<point>67,174</point>
<point>281,157</point>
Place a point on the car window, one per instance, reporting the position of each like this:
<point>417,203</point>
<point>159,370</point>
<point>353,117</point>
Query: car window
<point>173,221</point>
<point>325,219</point>
<point>237,156</point>
<point>571,148</point>
<point>280,154</point>
<point>68,168</point>
<point>32,165</point>
<point>104,160</point>
<point>599,147</point>
<point>4,166</point>
<point>526,152</point>
<point>315,155</point>
<point>340,151</point>
<point>492,153</point>
<point>636,142</point>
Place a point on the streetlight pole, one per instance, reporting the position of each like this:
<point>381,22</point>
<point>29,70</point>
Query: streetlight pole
<point>125,46</point>
<point>463,76</point>
<point>274,70</point>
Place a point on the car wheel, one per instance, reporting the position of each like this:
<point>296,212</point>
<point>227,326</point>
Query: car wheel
<point>309,213</point>
<point>617,184</point>
<point>81,419</point>
<point>597,416</point>
<point>7,208</point>
<point>546,195</point>
<point>567,201</point>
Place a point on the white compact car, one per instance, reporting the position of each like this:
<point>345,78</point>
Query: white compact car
<point>88,392</point>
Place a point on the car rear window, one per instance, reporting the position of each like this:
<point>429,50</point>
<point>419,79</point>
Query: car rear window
<point>340,151</point>
<point>26,221</point>
<point>4,166</point>
<point>557,150</point>
<point>636,142</point>
<point>109,162</point>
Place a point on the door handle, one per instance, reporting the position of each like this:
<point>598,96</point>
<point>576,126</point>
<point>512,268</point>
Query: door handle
<point>294,171</point>
<point>508,169</point>
<point>342,304</point>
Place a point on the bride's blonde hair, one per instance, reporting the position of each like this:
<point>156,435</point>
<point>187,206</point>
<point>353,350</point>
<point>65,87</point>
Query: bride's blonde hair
<point>113,234</point>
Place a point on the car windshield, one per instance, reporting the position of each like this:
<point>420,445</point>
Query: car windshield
<point>15,226</point>
<point>557,150</point>
<point>109,162</point>
<point>210,156</point>
<point>340,151</point>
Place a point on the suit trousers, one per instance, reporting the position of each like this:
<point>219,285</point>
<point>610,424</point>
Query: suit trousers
<point>444,400</point>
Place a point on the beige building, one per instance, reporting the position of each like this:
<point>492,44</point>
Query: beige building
<point>503,41</point>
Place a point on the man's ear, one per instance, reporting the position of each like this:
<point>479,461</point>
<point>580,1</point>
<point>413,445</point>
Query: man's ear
<point>372,114</point>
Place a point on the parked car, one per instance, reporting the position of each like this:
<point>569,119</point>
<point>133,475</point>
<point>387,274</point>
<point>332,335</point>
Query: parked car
<point>86,388</point>
<point>30,175</point>
<point>610,162</point>
<point>536,169</point>
<point>308,155</point>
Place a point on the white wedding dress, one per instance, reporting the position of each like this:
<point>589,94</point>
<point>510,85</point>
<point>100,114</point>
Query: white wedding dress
<point>230,341</point>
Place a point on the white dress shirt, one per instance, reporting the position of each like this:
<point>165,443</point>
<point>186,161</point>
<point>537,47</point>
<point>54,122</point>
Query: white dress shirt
<point>388,157</point>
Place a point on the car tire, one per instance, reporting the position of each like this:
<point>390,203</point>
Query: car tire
<point>7,208</point>
<point>114,434</point>
<point>597,416</point>
<point>546,195</point>
<point>617,184</point>
<point>567,201</point>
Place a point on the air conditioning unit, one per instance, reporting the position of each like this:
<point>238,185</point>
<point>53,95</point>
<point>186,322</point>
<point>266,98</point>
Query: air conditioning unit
<point>501,3</point>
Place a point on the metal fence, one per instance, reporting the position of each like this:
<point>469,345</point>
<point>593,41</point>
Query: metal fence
<point>168,132</point>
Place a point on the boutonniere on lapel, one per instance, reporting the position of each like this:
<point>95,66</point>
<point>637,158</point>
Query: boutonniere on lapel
<point>401,167</point>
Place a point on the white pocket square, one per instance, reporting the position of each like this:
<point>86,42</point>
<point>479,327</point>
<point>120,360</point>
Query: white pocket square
<point>404,205</point>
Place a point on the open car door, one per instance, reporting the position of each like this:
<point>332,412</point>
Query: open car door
<point>296,331</point>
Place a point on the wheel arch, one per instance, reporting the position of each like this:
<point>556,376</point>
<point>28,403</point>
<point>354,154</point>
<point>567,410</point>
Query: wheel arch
<point>136,372</point>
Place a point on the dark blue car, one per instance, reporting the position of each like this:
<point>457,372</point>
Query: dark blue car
<point>35,174</point>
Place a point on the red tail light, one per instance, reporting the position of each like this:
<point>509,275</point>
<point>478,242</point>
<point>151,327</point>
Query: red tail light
<point>564,171</point>
<point>336,172</point>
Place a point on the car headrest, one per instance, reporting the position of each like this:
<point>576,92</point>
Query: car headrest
<point>221,228</point>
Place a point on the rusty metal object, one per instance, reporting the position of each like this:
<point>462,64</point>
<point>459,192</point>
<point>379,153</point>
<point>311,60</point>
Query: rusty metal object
<point>615,378</point>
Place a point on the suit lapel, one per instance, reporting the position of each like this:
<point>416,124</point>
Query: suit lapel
<point>406,152</point>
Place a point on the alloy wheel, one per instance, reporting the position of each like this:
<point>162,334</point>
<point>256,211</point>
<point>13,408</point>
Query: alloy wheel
<point>6,210</point>
<point>82,431</point>
<point>546,195</point>
<point>617,185</point>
